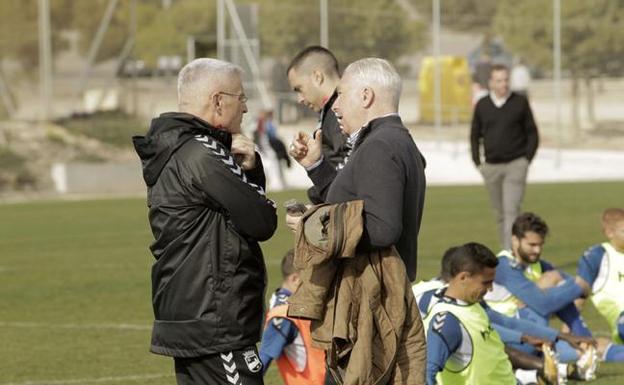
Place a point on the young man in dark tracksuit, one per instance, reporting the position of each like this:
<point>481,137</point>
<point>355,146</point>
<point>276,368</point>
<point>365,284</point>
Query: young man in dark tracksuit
<point>314,75</point>
<point>207,211</point>
<point>504,123</point>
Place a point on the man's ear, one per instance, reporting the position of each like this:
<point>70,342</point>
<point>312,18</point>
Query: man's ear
<point>608,232</point>
<point>318,77</point>
<point>462,276</point>
<point>368,96</point>
<point>217,102</point>
<point>294,280</point>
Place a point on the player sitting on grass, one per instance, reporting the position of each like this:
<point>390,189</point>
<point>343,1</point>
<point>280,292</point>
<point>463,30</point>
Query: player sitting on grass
<point>462,345</point>
<point>531,288</point>
<point>602,268</point>
<point>522,338</point>
<point>288,340</point>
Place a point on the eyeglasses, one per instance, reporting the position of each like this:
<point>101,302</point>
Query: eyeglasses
<point>241,97</point>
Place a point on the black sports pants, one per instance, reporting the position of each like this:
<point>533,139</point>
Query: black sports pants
<point>228,368</point>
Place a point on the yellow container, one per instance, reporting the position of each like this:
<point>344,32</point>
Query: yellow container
<point>456,90</point>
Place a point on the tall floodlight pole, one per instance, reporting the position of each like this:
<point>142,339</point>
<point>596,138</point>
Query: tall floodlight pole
<point>221,29</point>
<point>133,34</point>
<point>324,23</point>
<point>95,44</point>
<point>557,74</point>
<point>252,62</point>
<point>45,59</point>
<point>437,74</point>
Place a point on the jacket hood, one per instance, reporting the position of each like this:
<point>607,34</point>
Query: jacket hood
<point>167,133</point>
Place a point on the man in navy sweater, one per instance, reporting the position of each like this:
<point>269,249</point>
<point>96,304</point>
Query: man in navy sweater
<point>503,123</point>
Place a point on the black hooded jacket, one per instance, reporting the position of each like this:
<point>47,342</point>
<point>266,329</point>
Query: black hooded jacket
<point>207,216</point>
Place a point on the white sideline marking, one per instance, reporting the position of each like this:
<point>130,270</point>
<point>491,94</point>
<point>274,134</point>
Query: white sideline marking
<point>75,326</point>
<point>91,380</point>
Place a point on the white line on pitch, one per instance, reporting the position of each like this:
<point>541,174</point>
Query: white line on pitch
<point>75,326</point>
<point>99,380</point>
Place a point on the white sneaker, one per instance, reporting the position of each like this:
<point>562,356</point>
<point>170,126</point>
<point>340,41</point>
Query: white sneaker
<point>526,377</point>
<point>587,364</point>
<point>562,368</point>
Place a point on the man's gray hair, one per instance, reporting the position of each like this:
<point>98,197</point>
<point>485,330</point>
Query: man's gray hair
<point>201,77</point>
<point>378,74</point>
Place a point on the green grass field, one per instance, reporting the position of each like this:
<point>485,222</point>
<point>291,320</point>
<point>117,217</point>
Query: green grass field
<point>75,276</point>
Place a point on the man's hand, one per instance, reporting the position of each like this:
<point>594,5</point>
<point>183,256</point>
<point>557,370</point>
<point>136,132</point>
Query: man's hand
<point>549,279</point>
<point>292,221</point>
<point>294,211</point>
<point>244,151</point>
<point>535,341</point>
<point>306,150</point>
<point>577,342</point>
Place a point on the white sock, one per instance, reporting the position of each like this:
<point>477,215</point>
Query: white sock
<point>526,376</point>
<point>562,369</point>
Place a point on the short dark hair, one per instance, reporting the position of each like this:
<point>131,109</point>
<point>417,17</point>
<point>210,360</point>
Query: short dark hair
<point>471,257</point>
<point>328,61</point>
<point>288,266</point>
<point>498,67</point>
<point>526,222</point>
<point>445,267</point>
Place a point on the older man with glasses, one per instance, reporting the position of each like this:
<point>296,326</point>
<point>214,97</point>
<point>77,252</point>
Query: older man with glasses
<point>208,211</point>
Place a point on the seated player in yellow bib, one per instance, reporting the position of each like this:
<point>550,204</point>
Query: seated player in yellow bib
<point>462,345</point>
<point>602,268</point>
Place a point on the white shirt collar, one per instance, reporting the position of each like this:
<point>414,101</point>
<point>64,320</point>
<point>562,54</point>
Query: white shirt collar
<point>354,136</point>
<point>499,102</point>
<point>389,114</point>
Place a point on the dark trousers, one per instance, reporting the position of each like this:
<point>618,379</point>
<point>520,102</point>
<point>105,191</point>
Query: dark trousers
<point>227,368</point>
